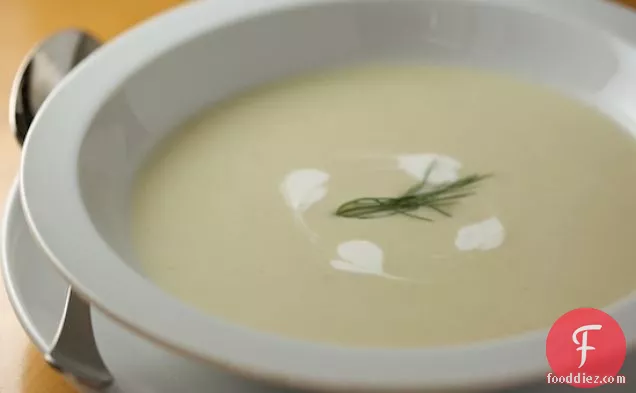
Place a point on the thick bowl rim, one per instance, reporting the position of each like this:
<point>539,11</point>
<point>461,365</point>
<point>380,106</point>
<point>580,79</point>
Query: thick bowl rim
<point>51,152</point>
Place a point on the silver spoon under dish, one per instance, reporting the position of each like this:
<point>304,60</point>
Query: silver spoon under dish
<point>73,351</point>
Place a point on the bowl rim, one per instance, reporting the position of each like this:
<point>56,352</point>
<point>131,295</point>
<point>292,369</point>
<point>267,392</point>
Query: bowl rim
<point>52,149</point>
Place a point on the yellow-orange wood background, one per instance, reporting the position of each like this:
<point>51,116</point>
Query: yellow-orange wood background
<point>22,24</point>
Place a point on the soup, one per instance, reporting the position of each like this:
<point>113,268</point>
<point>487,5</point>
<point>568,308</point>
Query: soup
<point>235,213</point>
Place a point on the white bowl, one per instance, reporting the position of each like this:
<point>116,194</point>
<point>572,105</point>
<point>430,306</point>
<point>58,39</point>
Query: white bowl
<point>91,136</point>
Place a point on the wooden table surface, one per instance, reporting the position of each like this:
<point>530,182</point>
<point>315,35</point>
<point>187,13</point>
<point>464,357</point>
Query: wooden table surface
<point>22,24</point>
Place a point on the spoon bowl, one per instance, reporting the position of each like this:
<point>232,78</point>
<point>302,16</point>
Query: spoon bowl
<point>41,71</point>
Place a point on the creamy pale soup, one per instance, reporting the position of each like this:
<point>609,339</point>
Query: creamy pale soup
<point>235,213</point>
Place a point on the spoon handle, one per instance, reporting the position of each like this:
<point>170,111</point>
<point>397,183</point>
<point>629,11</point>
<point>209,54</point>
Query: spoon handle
<point>74,351</point>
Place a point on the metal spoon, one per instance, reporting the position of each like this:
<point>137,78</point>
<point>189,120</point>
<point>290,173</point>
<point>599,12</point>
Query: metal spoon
<point>73,351</point>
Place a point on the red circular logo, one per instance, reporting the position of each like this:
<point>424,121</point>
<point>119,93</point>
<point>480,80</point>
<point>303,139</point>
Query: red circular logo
<point>586,348</point>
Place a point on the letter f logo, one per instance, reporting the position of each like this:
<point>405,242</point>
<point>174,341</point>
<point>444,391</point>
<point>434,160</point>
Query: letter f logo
<point>584,348</point>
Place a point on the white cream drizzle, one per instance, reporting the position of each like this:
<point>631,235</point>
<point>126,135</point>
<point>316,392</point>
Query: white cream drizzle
<point>483,236</point>
<point>302,189</point>
<point>361,257</point>
<point>446,168</point>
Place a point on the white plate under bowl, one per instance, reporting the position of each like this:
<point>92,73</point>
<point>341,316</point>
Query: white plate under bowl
<point>37,293</point>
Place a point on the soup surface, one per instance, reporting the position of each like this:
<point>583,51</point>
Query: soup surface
<point>235,213</point>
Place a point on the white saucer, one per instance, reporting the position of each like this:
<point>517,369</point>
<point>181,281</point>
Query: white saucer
<point>38,293</point>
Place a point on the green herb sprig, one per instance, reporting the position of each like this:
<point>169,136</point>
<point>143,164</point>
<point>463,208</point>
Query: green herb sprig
<point>438,198</point>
